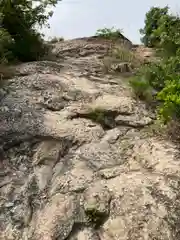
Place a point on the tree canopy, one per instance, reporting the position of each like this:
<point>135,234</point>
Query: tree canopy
<point>162,32</point>
<point>18,20</point>
<point>151,25</point>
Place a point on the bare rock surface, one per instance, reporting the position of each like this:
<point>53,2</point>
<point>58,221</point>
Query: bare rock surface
<point>74,164</point>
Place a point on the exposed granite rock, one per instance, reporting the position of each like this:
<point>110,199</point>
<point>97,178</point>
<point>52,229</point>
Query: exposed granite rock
<point>96,205</point>
<point>85,234</point>
<point>56,219</point>
<point>74,164</point>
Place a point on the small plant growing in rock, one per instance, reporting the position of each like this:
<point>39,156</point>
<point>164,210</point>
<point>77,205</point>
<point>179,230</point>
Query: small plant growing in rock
<point>141,88</point>
<point>109,33</point>
<point>97,115</point>
<point>103,117</point>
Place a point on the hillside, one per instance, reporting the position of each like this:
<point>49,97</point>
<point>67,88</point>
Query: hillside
<point>76,162</point>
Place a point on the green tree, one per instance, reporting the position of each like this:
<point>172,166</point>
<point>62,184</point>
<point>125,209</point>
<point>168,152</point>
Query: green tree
<point>162,77</point>
<point>151,24</point>
<point>168,33</point>
<point>20,19</point>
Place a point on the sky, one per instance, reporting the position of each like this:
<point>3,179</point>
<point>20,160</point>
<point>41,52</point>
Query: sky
<point>81,18</point>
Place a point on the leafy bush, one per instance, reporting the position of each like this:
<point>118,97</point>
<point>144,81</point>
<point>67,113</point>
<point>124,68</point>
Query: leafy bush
<point>109,33</point>
<point>5,43</point>
<point>142,88</point>
<point>161,79</point>
<point>170,95</point>
<point>156,73</point>
<point>29,48</point>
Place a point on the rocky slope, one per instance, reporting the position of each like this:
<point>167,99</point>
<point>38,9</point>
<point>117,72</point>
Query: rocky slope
<point>74,162</point>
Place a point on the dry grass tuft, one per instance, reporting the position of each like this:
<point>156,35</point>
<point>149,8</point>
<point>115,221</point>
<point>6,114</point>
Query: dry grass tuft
<point>123,56</point>
<point>120,59</point>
